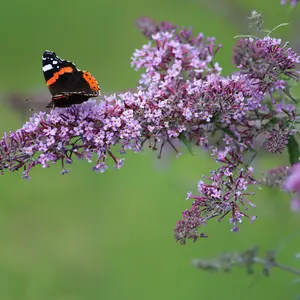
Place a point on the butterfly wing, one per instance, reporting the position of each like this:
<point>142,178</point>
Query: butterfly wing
<point>63,78</point>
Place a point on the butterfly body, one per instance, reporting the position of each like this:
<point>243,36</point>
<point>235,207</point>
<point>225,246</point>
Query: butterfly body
<point>67,84</point>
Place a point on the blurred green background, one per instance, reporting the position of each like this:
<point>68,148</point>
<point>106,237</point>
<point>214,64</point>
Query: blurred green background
<point>89,236</point>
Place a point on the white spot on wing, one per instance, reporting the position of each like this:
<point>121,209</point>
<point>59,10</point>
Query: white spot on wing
<point>47,68</point>
<point>55,62</point>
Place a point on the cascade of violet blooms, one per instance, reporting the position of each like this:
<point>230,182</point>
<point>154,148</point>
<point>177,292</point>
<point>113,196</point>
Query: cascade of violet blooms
<point>181,95</point>
<point>292,184</point>
<point>293,2</point>
<point>287,179</point>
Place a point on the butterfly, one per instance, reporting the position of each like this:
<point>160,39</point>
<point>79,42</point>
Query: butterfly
<point>67,84</point>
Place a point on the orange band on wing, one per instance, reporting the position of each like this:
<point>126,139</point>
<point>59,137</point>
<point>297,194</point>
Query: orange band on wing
<point>60,72</point>
<point>90,79</point>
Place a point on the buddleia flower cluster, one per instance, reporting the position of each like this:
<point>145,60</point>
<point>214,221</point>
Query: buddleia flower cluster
<point>181,96</point>
<point>286,178</point>
<point>293,2</point>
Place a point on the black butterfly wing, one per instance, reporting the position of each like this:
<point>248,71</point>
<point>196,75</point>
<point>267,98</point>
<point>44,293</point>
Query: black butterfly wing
<point>62,76</point>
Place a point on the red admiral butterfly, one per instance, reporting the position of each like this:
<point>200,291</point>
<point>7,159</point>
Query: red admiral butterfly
<point>67,84</point>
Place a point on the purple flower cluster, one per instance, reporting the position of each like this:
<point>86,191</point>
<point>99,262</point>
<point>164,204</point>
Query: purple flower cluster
<point>287,179</point>
<point>292,185</point>
<point>266,60</point>
<point>277,140</point>
<point>293,2</point>
<point>225,194</point>
<point>181,95</point>
<point>150,28</point>
<point>168,59</point>
<point>275,177</point>
<point>79,131</point>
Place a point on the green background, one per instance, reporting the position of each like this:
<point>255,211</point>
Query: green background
<point>110,236</point>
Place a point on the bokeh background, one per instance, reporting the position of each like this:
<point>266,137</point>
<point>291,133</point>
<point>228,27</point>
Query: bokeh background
<point>89,236</point>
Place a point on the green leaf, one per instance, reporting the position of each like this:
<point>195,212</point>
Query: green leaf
<point>293,149</point>
<point>186,142</point>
